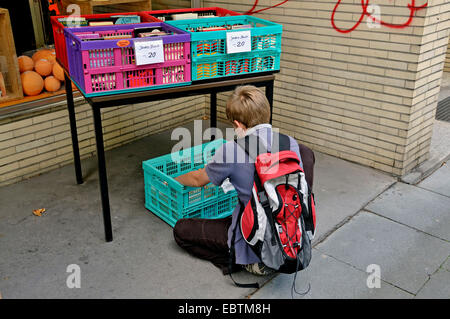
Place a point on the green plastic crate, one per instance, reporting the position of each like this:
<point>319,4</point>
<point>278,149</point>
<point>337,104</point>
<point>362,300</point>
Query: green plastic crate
<point>209,57</point>
<point>171,201</point>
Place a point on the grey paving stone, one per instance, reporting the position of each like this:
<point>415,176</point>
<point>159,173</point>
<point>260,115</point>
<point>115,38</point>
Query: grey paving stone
<point>438,287</point>
<point>446,265</point>
<point>439,181</point>
<point>439,153</point>
<point>406,256</point>
<point>342,189</point>
<point>415,207</point>
<point>328,278</point>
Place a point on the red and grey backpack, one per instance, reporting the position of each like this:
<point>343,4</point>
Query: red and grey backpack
<point>279,221</point>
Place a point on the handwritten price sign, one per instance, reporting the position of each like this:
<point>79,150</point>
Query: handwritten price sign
<point>148,51</point>
<point>239,41</point>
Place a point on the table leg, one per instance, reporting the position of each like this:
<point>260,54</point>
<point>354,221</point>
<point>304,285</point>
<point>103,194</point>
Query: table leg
<point>269,95</point>
<point>103,180</point>
<point>73,130</point>
<point>213,118</point>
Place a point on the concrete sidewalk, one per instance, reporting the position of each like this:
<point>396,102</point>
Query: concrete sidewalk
<point>364,217</point>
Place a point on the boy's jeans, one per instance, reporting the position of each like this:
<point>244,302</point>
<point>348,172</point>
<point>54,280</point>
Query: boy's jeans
<point>205,239</point>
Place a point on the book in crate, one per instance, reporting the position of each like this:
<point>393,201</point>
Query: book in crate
<point>190,13</point>
<point>211,56</point>
<point>63,21</point>
<point>103,60</point>
<point>97,6</point>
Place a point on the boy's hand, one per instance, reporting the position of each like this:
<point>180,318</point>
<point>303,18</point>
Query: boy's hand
<point>196,178</point>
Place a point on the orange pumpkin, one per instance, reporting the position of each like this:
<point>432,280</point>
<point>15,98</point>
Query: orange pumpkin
<point>25,63</point>
<point>52,84</point>
<point>58,72</point>
<point>41,54</point>
<point>43,67</point>
<point>32,83</point>
<point>51,57</point>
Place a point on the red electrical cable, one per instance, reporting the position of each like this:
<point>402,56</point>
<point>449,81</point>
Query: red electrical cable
<point>253,8</point>
<point>260,10</point>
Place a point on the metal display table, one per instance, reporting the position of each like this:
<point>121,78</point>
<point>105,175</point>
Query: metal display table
<point>213,87</point>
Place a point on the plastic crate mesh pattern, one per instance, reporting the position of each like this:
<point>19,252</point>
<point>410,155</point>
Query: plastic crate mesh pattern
<point>209,53</point>
<point>170,200</point>
<point>100,65</point>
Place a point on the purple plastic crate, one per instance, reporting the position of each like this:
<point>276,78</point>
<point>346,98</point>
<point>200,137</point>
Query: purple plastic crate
<point>109,66</point>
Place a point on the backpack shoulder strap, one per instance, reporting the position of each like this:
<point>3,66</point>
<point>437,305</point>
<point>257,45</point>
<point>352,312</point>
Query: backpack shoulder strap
<point>280,142</point>
<point>283,140</point>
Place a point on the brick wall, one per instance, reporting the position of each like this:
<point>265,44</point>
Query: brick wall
<point>38,142</point>
<point>368,96</point>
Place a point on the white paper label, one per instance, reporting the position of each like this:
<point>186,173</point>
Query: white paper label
<point>148,51</point>
<point>239,41</point>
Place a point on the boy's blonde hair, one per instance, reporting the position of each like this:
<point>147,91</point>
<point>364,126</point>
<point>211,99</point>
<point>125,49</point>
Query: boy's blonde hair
<point>249,106</point>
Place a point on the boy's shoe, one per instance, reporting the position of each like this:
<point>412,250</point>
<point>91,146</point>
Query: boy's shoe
<point>259,269</point>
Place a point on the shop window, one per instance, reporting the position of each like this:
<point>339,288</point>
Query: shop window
<point>33,44</point>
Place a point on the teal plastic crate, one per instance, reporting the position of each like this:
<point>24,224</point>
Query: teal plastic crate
<point>171,201</point>
<point>209,57</point>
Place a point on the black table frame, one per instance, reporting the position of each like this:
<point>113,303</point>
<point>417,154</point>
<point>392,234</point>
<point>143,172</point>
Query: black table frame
<point>226,84</point>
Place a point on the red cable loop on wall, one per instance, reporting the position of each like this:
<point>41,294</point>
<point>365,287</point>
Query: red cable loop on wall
<point>364,5</point>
